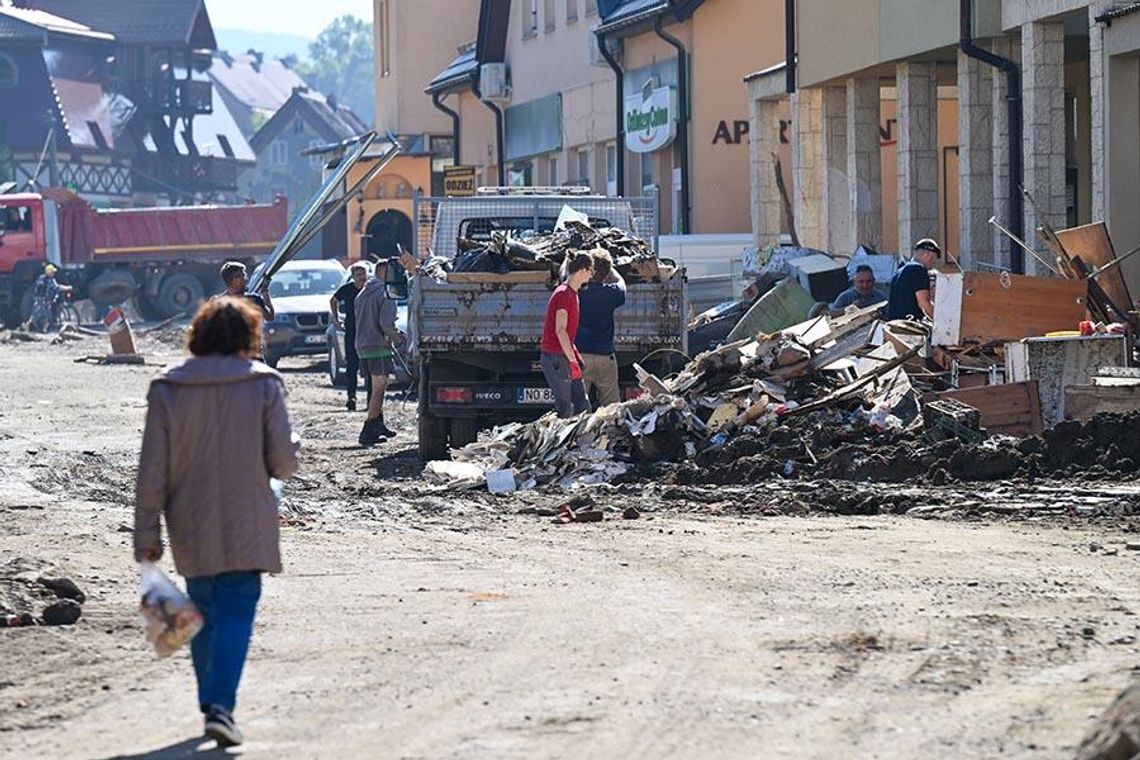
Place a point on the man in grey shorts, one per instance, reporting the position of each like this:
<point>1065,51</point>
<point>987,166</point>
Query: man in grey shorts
<point>376,339</point>
<point>561,364</point>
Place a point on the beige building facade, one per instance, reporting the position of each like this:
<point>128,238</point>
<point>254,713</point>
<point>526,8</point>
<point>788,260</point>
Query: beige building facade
<point>943,166</point>
<point>560,114</point>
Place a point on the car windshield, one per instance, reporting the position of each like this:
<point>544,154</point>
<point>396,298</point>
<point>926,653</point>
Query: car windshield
<point>305,282</point>
<point>479,229</point>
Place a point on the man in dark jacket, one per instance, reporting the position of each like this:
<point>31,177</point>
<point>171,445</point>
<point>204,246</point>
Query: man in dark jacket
<point>376,340</point>
<point>597,302</point>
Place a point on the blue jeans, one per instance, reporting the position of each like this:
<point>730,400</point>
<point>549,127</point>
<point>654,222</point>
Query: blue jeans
<point>228,603</point>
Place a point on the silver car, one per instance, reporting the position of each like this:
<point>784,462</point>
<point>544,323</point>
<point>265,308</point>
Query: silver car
<point>300,291</point>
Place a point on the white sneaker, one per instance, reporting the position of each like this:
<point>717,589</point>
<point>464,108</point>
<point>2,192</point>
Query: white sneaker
<point>220,727</point>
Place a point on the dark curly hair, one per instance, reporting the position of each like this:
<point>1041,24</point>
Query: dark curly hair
<point>225,326</point>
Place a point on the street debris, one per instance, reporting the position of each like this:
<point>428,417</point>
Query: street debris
<point>34,593</point>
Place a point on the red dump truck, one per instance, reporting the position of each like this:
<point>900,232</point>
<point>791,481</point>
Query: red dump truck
<point>166,258</point>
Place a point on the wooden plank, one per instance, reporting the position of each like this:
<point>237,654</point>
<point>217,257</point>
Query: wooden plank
<point>995,307</point>
<point>1082,402</point>
<point>1092,243</point>
<point>1009,409</point>
<point>512,277</point>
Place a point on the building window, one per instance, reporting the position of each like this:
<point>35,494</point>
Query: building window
<point>548,15</point>
<point>591,7</point>
<point>298,126</point>
<point>278,153</point>
<point>529,17</point>
<point>571,11</point>
<point>9,76</point>
<point>648,175</point>
<point>611,169</point>
<point>385,48</point>
<point>552,171</point>
<point>584,167</point>
<point>316,159</point>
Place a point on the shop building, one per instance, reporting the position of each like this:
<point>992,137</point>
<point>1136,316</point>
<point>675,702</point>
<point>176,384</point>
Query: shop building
<point>986,96</point>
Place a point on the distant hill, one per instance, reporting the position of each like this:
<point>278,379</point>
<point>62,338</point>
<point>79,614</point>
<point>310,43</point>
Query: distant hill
<point>273,45</point>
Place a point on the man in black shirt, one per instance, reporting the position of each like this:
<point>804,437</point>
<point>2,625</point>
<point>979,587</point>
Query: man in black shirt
<point>910,287</point>
<point>345,300</point>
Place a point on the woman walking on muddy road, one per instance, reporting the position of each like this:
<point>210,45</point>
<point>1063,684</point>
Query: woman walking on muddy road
<point>216,431</point>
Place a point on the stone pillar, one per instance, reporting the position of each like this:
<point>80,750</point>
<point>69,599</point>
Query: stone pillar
<point>1043,115</point>
<point>808,169</point>
<point>864,162</point>
<point>764,147</point>
<point>917,152</point>
<point>1006,47</point>
<point>975,162</point>
<point>1096,88</point>
<point>836,199</point>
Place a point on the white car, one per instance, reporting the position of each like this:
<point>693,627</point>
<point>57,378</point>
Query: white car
<point>300,291</point>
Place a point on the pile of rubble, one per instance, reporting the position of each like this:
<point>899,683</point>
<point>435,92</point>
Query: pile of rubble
<point>723,394</point>
<point>633,257</point>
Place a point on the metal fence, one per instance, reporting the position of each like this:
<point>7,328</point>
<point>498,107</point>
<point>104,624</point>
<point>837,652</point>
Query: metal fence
<point>440,222</point>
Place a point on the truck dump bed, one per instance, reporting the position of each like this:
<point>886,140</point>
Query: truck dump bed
<point>174,233</point>
<point>508,316</point>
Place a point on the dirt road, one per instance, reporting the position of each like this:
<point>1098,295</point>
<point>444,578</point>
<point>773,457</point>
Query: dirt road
<point>418,624</point>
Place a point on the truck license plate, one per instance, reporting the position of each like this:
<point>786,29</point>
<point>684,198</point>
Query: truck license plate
<point>314,339</point>
<point>535,396</point>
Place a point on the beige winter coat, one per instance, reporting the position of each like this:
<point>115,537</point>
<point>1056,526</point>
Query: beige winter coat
<point>216,431</point>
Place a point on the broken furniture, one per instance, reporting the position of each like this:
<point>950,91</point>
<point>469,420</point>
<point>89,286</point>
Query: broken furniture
<point>990,307</point>
<point>1056,363</point>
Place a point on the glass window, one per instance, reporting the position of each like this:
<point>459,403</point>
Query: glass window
<point>278,153</point>
<point>583,166</point>
<point>529,17</point>
<point>548,15</point>
<point>9,76</point>
<point>298,126</point>
<point>16,219</point>
<point>552,171</point>
<point>316,159</point>
<point>305,282</point>
<point>611,168</point>
<point>648,175</point>
<point>591,7</point>
<point>571,10</point>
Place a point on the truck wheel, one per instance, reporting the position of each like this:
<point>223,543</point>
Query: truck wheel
<point>271,359</point>
<point>146,307</point>
<point>432,437</point>
<point>24,313</point>
<point>112,287</point>
<point>179,293</point>
<point>464,430</point>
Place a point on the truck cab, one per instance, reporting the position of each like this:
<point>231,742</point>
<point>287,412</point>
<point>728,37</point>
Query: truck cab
<point>23,247</point>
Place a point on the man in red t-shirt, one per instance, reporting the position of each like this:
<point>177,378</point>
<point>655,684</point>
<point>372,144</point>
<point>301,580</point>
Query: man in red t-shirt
<point>561,364</point>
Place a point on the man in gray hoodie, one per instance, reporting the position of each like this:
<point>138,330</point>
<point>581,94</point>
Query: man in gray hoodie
<point>376,339</point>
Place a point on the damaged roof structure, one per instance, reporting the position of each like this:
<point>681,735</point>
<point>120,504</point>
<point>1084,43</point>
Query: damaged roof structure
<point>116,136</point>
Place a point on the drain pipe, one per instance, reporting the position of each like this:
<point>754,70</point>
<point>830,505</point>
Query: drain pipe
<point>498,129</point>
<point>1013,104</point>
<point>790,46</point>
<point>437,101</point>
<point>619,110</point>
<point>683,127</point>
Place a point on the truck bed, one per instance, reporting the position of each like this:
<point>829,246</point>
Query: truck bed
<point>508,317</point>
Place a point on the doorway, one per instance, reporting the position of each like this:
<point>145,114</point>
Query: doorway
<point>386,230</point>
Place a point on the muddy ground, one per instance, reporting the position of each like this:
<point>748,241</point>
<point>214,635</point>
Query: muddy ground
<point>785,617</point>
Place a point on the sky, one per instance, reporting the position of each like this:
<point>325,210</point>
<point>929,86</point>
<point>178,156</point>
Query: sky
<point>302,18</point>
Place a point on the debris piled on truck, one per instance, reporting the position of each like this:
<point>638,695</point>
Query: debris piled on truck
<point>502,253</point>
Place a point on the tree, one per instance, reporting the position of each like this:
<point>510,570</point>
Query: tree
<point>340,64</point>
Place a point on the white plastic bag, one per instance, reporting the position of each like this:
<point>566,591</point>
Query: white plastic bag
<point>171,618</point>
